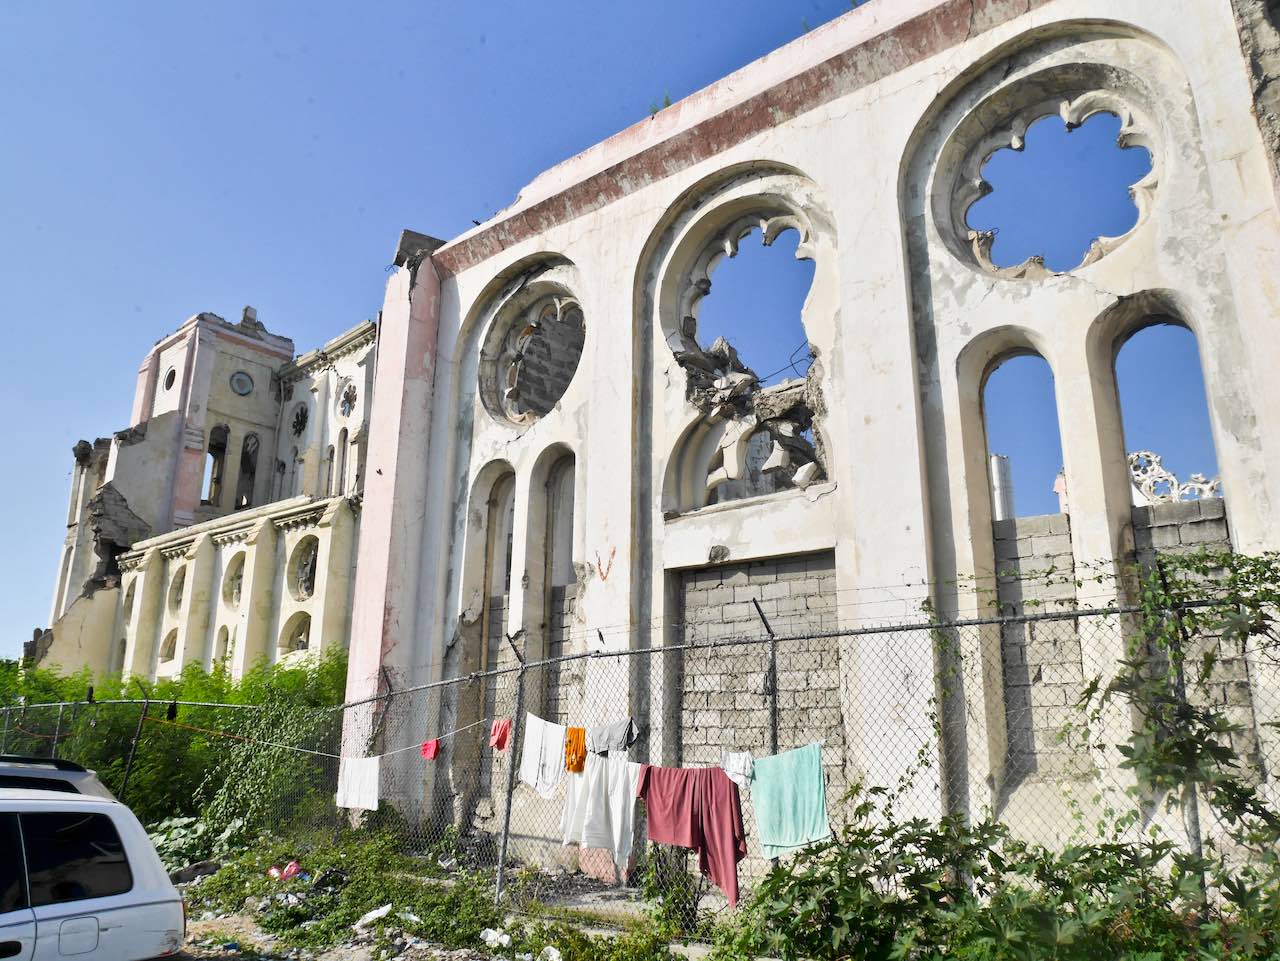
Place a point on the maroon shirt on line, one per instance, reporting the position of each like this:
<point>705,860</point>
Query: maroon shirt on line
<point>698,808</point>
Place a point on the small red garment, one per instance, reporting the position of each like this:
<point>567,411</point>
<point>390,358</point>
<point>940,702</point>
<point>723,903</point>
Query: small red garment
<point>431,748</point>
<point>499,733</point>
<point>698,808</point>
<point>290,870</point>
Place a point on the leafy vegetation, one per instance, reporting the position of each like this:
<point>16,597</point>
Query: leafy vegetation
<point>180,768</point>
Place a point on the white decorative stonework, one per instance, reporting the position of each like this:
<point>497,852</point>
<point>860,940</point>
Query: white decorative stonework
<point>1158,484</point>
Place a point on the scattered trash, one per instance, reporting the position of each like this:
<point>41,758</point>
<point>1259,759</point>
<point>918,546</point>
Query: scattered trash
<point>374,915</point>
<point>193,871</point>
<point>495,938</point>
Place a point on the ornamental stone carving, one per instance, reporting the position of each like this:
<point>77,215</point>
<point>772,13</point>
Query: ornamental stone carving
<point>1159,485</point>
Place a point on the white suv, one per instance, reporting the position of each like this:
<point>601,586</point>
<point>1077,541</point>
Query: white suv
<point>79,876</point>
<point>50,774</point>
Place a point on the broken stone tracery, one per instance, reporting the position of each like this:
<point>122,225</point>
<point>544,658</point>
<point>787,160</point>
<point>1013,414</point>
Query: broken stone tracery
<point>1159,484</point>
<point>729,393</point>
<point>533,346</point>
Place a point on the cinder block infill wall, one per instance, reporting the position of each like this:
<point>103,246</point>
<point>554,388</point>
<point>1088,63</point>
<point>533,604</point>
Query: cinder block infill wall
<point>724,704</point>
<point>1042,666</point>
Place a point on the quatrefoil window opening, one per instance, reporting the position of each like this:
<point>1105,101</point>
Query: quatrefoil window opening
<point>1059,194</point>
<point>347,402</point>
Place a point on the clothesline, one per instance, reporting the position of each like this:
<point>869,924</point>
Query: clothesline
<point>304,750</point>
<point>440,737</point>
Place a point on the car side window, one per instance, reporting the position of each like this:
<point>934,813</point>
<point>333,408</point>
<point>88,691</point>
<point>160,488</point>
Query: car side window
<point>13,880</point>
<point>72,856</point>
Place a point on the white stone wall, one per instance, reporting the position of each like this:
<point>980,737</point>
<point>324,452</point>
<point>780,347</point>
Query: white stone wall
<point>862,136</point>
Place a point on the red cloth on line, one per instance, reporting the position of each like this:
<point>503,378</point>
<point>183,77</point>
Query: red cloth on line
<point>499,733</point>
<point>698,808</point>
<point>431,748</point>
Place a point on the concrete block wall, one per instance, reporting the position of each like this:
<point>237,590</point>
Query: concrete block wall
<point>1041,662</point>
<point>724,704</point>
<point>1186,527</point>
<point>550,359</point>
<point>1179,527</point>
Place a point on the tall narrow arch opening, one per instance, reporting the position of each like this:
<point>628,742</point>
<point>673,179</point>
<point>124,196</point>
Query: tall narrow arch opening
<point>215,463</point>
<point>500,525</point>
<point>1164,413</point>
<point>1034,563</point>
<point>248,471</point>
<point>560,593</point>
<point>485,585</point>
<point>344,446</point>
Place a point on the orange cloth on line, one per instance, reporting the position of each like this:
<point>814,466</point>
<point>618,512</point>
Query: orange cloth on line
<point>575,749</point>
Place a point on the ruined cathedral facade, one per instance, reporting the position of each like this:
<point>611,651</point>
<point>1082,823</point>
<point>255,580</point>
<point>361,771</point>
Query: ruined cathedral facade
<point>219,526</point>
<point>555,452</point>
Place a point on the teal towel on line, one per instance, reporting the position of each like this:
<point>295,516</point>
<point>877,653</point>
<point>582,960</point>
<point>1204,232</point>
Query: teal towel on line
<point>789,793</point>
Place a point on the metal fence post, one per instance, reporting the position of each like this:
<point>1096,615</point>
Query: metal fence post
<point>517,730</point>
<point>771,679</point>
<point>57,732</point>
<point>133,749</point>
<point>4,739</point>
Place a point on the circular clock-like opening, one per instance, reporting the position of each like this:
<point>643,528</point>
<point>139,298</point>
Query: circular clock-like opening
<point>242,383</point>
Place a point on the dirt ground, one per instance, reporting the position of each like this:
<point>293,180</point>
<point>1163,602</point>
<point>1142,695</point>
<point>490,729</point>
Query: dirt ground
<point>238,938</point>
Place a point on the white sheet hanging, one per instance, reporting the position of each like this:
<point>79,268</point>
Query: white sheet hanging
<point>358,779</point>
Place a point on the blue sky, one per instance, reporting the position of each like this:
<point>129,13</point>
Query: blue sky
<point>164,159</point>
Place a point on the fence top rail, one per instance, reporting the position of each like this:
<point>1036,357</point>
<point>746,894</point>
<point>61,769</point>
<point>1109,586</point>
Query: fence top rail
<point>741,641</point>
<point>139,701</point>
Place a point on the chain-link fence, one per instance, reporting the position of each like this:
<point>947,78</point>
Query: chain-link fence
<point>986,715</point>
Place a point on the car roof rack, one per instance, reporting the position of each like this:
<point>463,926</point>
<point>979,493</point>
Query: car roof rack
<point>57,763</point>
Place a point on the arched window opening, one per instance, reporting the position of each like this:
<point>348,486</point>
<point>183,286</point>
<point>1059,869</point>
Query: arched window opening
<point>502,526</point>
<point>220,647</point>
<point>303,564</point>
<point>169,648</point>
<point>1024,448</point>
<point>754,303</point>
<point>248,471</point>
<point>296,635</point>
<point>295,474</point>
<point>1165,413</point>
<point>1064,188</point>
<point>559,562</point>
<point>233,582</point>
<point>1034,563</point>
<point>177,589</point>
<point>214,465</point>
<point>343,445</point>
<point>561,583</point>
<point>498,557</point>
